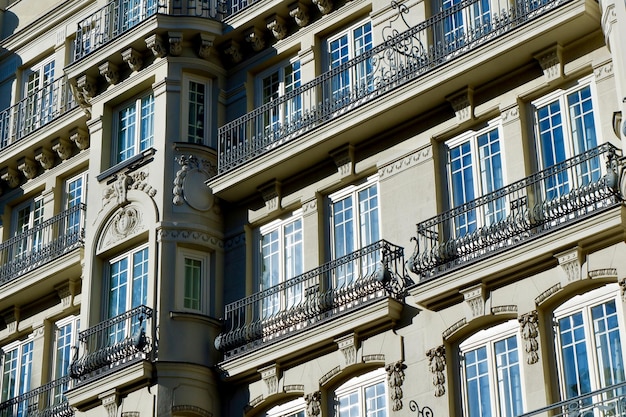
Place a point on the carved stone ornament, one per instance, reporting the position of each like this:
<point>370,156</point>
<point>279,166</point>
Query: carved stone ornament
<point>269,374</point>
<point>348,346</point>
<point>133,58</point>
<point>255,38</point>
<point>395,378</point>
<point>551,61</point>
<point>530,331</point>
<point>313,404</point>
<point>110,72</point>
<point>83,90</point>
<point>124,182</point>
<point>176,43</point>
<point>463,104</point>
<point>300,13</point>
<point>190,183</point>
<point>110,401</point>
<point>437,365</point>
<point>28,167</point>
<point>272,194</point>
<point>80,138</point>
<point>277,26</point>
<point>206,43</point>
<point>571,262</point>
<point>233,50</point>
<point>63,148</point>
<point>324,6</point>
<point>156,45</point>
<point>344,160</point>
<point>44,157</point>
<point>10,176</point>
<point>127,221</point>
<point>475,299</point>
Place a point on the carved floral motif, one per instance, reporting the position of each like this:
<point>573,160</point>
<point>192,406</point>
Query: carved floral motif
<point>437,365</point>
<point>530,331</point>
<point>395,378</point>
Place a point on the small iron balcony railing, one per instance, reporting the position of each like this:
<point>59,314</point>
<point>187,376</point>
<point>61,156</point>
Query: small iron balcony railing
<point>42,243</point>
<point>400,59</point>
<point>35,111</point>
<point>609,401</point>
<point>115,344</point>
<point>538,204</point>
<point>335,288</point>
<point>119,16</point>
<point>46,401</point>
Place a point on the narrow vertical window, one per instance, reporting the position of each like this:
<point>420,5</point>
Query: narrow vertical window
<point>135,128</point>
<point>274,85</point>
<point>193,283</point>
<point>196,121</point>
<point>17,363</point>
<point>344,46</point>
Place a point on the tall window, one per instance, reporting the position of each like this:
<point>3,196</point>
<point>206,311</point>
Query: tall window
<point>194,269</point>
<point>197,114</point>
<point>38,95</point>
<point>347,45</point>
<point>66,336</point>
<point>491,372</point>
<point>27,218</point>
<point>355,224</point>
<point>475,169</point>
<point>462,24</point>
<point>566,127</point>
<point>363,396</point>
<point>135,11</point>
<point>281,259</point>
<point>17,360</point>
<point>135,128</point>
<point>75,191</point>
<point>128,287</point>
<point>589,342</point>
<point>275,84</point>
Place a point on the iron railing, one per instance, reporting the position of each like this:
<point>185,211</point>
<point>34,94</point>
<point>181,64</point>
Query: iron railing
<point>335,288</point>
<point>42,243</point>
<point>538,204</point>
<point>115,344</point>
<point>35,111</point>
<point>605,402</point>
<point>402,58</point>
<point>119,16</point>
<point>46,401</point>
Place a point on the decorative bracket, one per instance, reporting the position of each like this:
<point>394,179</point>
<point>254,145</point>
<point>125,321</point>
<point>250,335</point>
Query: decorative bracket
<point>551,61</point>
<point>62,147</point>
<point>300,13</point>
<point>110,401</point>
<point>270,375</point>
<point>277,26</point>
<point>348,346</point>
<point>176,43</point>
<point>133,58</point>
<point>10,176</point>
<point>571,262</point>
<point>463,104</point>
<point>233,50</point>
<point>110,72</point>
<point>271,193</point>
<point>206,43</point>
<point>44,157</point>
<point>344,160</point>
<point>255,38</point>
<point>475,297</point>
<point>324,6</point>
<point>80,138</point>
<point>156,45</point>
<point>28,167</point>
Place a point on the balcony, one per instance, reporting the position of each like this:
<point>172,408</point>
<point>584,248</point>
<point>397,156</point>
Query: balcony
<point>401,59</point>
<point>115,344</point>
<point>120,16</point>
<point>42,244</point>
<point>552,199</point>
<point>370,274</point>
<point>45,401</point>
<point>35,111</point>
<point>610,401</point>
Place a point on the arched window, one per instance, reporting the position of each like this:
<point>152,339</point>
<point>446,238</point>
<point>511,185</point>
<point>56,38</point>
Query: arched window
<point>293,408</point>
<point>364,395</point>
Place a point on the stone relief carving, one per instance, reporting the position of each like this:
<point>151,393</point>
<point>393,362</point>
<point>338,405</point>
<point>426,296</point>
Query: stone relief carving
<point>270,376</point>
<point>124,182</point>
<point>437,365</point>
<point>530,331</point>
<point>395,378</point>
<point>126,222</point>
<point>193,174</point>
<point>313,406</point>
<point>348,346</point>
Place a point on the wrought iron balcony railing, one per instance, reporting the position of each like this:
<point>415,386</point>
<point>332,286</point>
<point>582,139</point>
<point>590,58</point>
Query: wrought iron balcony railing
<point>402,58</point>
<point>41,244</point>
<point>119,16</point>
<point>35,111</point>
<point>115,344</point>
<point>543,202</point>
<point>46,401</point>
<point>335,288</point>
<point>610,401</point>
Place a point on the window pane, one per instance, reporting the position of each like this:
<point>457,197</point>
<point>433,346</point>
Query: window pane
<point>196,119</point>
<point>147,123</point>
<point>574,355</point>
<point>508,373</point>
<point>140,278</point>
<point>477,383</point>
<point>126,133</point>
<point>193,277</point>
<point>608,344</point>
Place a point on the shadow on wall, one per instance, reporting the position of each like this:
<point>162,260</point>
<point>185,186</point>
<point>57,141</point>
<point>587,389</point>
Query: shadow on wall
<point>8,23</point>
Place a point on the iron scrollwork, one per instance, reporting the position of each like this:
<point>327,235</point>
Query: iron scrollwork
<point>423,412</point>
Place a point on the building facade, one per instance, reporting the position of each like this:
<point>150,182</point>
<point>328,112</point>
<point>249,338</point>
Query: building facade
<point>312,208</point>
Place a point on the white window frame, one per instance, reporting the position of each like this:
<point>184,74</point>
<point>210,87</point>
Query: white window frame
<point>204,291</point>
<point>70,200</point>
<point>187,111</point>
<point>129,255</point>
<point>63,370</point>
<point>33,240</point>
<point>290,110</point>
<point>358,385</point>
<point>138,136</point>
<point>17,388</point>
<point>293,408</point>
<point>39,100</point>
<point>487,338</point>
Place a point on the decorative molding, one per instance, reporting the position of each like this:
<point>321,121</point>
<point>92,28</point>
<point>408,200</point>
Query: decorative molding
<point>192,176</point>
<point>548,293</point>
<point>130,414</point>
<point>110,72</point>
<point>395,379</point>
<point>133,58</point>
<point>270,375</point>
<point>475,297</point>
<point>511,308</point>
<point>530,330</point>
<point>124,182</point>
<point>256,401</point>
<point>175,40</point>
<point>344,160</point>
<point>277,26</point>
<point>271,193</point>
<point>377,357</point>
<point>300,13</point>
<point>324,6</point>
<point>10,176</point>
<point>86,84</point>
<point>309,207</point>
<point>66,292</point>
<point>571,262</point>
<point>11,317</point>
<point>313,404</point>
<point>156,45</point>
<point>510,114</point>
<point>293,388</point>
<point>110,402</point>
<point>551,61</point>
<point>233,50</point>
<point>206,44</point>
<point>602,273</point>
<point>235,241</point>
<point>348,345</point>
<point>603,71</point>
<point>45,158</point>
<point>329,375</point>
<point>255,38</point>
<point>63,148</point>
<point>622,285</point>
<point>193,409</point>
<point>608,20</point>
<point>189,236</point>
<point>437,365</point>
<point>456,326</point>
<point>462,102</point>
<point>28,167</point>
<point>400,165</point>
<point>80,138</point>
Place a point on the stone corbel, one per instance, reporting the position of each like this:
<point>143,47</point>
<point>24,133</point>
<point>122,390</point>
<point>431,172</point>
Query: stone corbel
<point>277,26</point>
<point>270,374</point>
<point>66,292</point>
<point>395,379</point>
<point>344,160</point>
<point>133,58</point>
<point>62,147</point>
<point>530,330</point>
<point>80,138</point>
<point>44,157</point>
<point>156,45</point>
<point>300,13</point>
<point>437,365</point>
<point>110,72</point>
<point>10,176</point>
<point>176,43</point>
<point>233,50</point>
<point>551,61</point>
<point>324,6</point>
<point>348,345</point>
<point>255,38</point>
<point>463,104</point>
<point>110,402</point>
<point>28,167</point>
<point>11,318</point>
<point>571,262</point>
<point>475,297</point>
<point>86,85</point>
<point>206,43</point>
<point>271,193</point>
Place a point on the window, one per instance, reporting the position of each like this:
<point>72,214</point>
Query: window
<point>194,286</point>
<point>38,95</point>
<point>566,127</point>
<point>135,11</point>
<point>26,218</point>
<point>17,360</point>
<point>127,288</point>
<point>354,225</point>
<point>462,24</point>
<point>491,372</point>
<point>197,114</point>
<point>475,169</point>
<point>274,84</point>
<point>347,45</point>
<point>293,408</point>
<point>135,128</point>
<point>281,259</point>
<point>588,339</point>
<point>75,192</point>
<point>66,336</point>
<point>363,396</point>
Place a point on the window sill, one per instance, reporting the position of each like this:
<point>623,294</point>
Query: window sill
<point>131,163</point>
